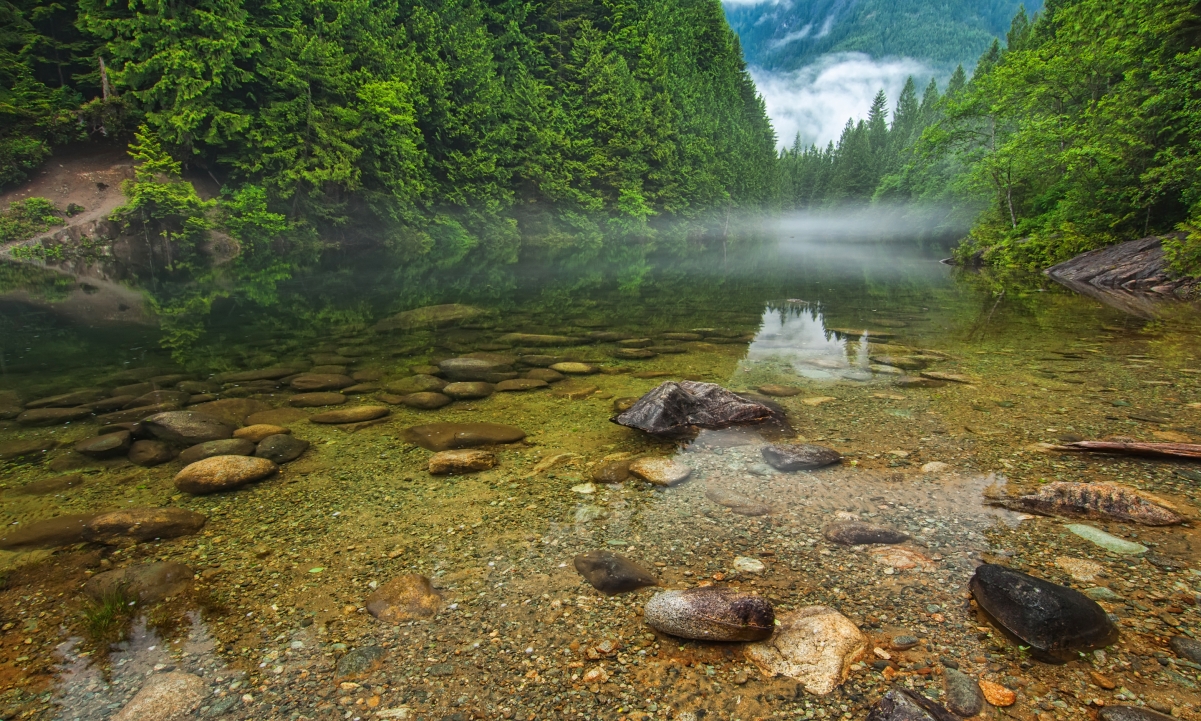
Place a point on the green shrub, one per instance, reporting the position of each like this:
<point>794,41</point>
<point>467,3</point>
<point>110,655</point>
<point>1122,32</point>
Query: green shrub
<point>26,218</point>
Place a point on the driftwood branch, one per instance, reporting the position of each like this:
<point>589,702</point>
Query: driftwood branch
<point>1169,450</point>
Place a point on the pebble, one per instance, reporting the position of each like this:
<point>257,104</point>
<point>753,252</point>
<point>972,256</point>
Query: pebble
<point>360,662</point>
<point>963,695</point>
<point>996,694</point>
<point>257,432</point>
<point>187,428</point>
<point>907,381</point>
<point>165,697</point>
<point>1117,545</point>
<point>281,449</point>
<point>814,645</point>
<point>736,502</point>
<point>426,401</point>
<point>746,564</point>
<point>1080,569</point>
<point>448,436</point>
<point>903,643</point>
<point>405,598</point>
<point>461,461</point>
<point>223,473</point>
<point>1101,593</point>
<point>468,390</point>
<point>854,533</point>
<point>660,471</point>
<point>588,513</point>
<point>316,400</point>
<point>799,456</point>
<point>150,453</point>
<point>108,445</point>
<point>936,467</point>
<point>710,614</point>
<point>611,573</point>
<point>227,447</point>
<point>357,414</point>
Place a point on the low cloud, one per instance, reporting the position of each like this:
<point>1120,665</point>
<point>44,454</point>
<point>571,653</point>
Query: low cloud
<point>816,100</point>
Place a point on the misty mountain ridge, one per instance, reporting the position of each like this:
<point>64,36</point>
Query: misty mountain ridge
<point>785,35</point>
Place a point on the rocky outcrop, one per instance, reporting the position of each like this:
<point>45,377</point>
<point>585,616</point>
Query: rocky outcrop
<point>1130,276</point>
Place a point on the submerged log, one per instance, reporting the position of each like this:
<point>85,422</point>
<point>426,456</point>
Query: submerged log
<point>677,408</point>
<point>1103,501</point>
<point>1169,450</point>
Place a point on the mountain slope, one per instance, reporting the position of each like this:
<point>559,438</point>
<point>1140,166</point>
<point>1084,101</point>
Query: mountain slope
<point>943,33</point>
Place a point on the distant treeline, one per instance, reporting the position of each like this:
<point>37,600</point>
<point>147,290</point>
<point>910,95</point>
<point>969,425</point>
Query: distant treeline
<point>439,128</point>
<point>1084,129</point>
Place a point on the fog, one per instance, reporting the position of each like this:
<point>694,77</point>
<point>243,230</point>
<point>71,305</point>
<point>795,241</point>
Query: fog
<point>816,100</point>
<point>869,223</point>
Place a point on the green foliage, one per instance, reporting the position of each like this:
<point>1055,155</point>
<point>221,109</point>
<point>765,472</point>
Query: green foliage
<point>1183,252</point>
<point>105,619</point>
<point>26,218</point>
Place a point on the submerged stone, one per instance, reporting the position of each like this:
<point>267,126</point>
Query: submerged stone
<point>259,431</point>
<point>143,524</point>
<point>52,416</point>
<point>449,436</point>
<point>306,382</point>
<point>1109,542</point>
<point>187,428</point>
<point>779,391</point>
<point>611,472</point>
<point>612,574</point>
<point>150,453</point>
<point>420,383</point>
<point>461,461</point>
<point>736,502</point>
<point>357,414</point>
<point>108,445</point>
<point>208,449</point>
<point>233,411</point>
<point>469,390</point>
<point>169,696</point>
<point>24,448</point>
<point>815,645</point>
<point>426,401</point>
<point>472,369</point>
<point>799,456</point>
<point>281,448</point>
<point>147,583</point>
<point>316,400</point>
<point>532,339</point>
<point>1130,713</point>
<point>1096,500</point>
<point>710,614</point>
<point>223,473</point>
<point>963,695</point>
<point>855,533</point>
<point>520,384</point>
<point>276,416</point>
<point>360,662</point>
<point>901,704</point>
<point>430,316</point>
<point>674,408</point>
<point>544,374</point>
<point>46,486</point>
<point>405,598</point>
<point>660,471</point>
<point>47,533</point>
<point>1056,622</point>
<point>68,400</point>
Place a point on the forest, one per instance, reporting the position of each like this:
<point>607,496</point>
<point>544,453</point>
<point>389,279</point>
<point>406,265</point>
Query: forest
<point>1081,130</point>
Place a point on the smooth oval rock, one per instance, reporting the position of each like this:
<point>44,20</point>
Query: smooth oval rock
<point>633,353</point>
<point>536,340</point>
<point>276,416</point>
<point>468,390</point>
<point>544,374</point>
<point>133,415</point>
<point>426,401</point>
<point>855,533</point>
<point>612,574</point>
<point>231,411</point>
<point>208,449</point>
<point>108,445</point>
<point>316,400</point>
<point>150,453</point>
<point>24,448</point>
<point>901,704</point>
<point>46,533</point>
<point>710,614</point>
<point>223,473</point>
<point>52,416</point>
<point>472,369</point>
<point>187,428</point>
<point>405,598</point>
<point>46,486</point>
<point>1056,622</point>
<point>963,695</point>
<point>259,431</point>
<point>461,461</point>
<point>68,400</point>
<point>799,456</point>
<point>143,524</point>
<point>420,383</point>
<point>1130,713</point>
<point>571,368</point>
<point>357,414</point>
<point>175,398</point>
<point>306,382</point>
<point>779,391</point>
<point>660,471</point>
<point>449,436</point>
<point>612,472</point>
<point>815,645</point>
<point>520,384</point>
<point>147,583</point>
<point>281,449</point>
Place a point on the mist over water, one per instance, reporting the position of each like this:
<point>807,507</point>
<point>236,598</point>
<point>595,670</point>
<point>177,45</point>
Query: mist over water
<point>856,223</point>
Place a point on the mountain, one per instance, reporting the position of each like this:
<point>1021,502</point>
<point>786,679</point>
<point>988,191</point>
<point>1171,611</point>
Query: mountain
<point>789,34</point>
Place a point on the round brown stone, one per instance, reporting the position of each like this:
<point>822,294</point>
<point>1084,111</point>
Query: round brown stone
<point>150,453</point>
<point>223,473</point>
<point>226,447</point>
<point>468,390</point>
<point>426,401</point>
<point>259,431</point>
<point>313,400</point>
<point>461,461</point>
<point>357,414</point>
<point>321,381</point>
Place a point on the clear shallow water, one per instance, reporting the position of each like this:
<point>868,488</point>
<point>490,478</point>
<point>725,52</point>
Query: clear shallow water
<point>284,566</point>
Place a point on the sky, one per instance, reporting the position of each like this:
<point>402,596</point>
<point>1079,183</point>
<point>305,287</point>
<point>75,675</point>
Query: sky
<point>817,100</point>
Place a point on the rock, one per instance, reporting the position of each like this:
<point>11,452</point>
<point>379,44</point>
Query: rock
<point>357,414</point>
<point>223,473</point>
<point>854,533</point>
<point>24,448</point>
<point>521,384</point>
<point>449,436</point>
<point>1096,500</point>
<point>737,503</point>
<point>231,411</point>
<point>337,370</point>
<point>588,513</point>
<point>906,381</point>
<point>259,431</point>
<point>799,456</point>
<point>901,704</point>
<point>133,415</point>
<point>575,391</point>
<point>148,583</point>
<point>150,453</point>
<point>996,694</point>
<point>1101,593</point>
<point>404,598</point>
<point>633,342</point>
<point>949,377</point>
<point>621,405</point>
<point>461,461</point>
<point>746,564</point>
<point>674,408</point>
<point>175,398</point>
<point>963,695</point>
<point>660,471</point>
<point>1117,545</point>
<point>1080,569</point>
<point>426,401</point>
<point>316,400</point>
<point>469,390</point>
<point>200,387</point>
<point>264,374</point>
<point>540,361</point>
<point>165,697</point>
<point>281,448</point>
<point>903,643</point>
<point>936,467</point>
<point>46,533</point>
<point>612,574</point>
<point>187,428</point>
<point>534,340</point>
<point>1130,713</point>
<point>116,403</point>
<point>276,416</point>
<point>360,662</point>
<point>1056,622</point>
<point>544,374</point>
<point>682,336</point>
<point>306,382</point>
<point>611,472</point>
<point>908,363</point>
<point>710,614</point>
<point>899,558</point>
<point>52,416</point>
<point>420,383</point>
<point>634,353</point>
<point>68,400</point>
<point>70,461</point>
<point>571,368</point>
<point>143,524</point>
<point>1186,647</point>
<point>779,391</point>
<point>227,447</point>
<point>472,369</point>
<point>815,645</point>
<point>46,486</point>
<point>1125,275</point>
<point>430,316</point>
<point>108,445</point>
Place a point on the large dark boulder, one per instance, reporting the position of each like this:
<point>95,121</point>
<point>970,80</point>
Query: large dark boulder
<point>676,408</point>
<point>1056,622</point>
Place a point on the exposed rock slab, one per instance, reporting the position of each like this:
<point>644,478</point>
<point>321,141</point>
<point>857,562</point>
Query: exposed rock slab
<point>612,574</point>
<point>676,408</point>
<point>710,614</point>
<point>1130,276</point>
<point>815,645</point>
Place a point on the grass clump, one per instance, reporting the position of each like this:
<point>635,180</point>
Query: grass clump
<point>105,619</point>
<point>26,218</point>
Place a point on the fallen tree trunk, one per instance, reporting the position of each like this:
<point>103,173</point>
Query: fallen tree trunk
<point>1169,450</point>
